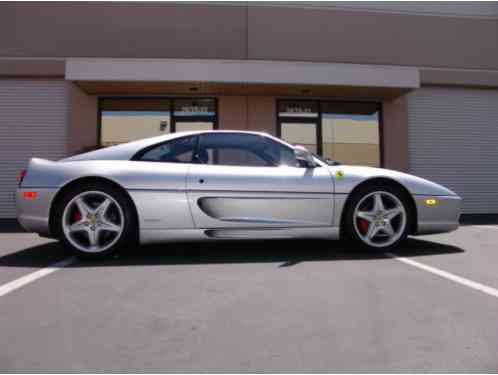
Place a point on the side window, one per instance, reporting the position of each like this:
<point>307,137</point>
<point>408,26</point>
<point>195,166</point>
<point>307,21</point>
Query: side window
<point>180,150</point>
<point>283,154</point>
<point>239,149</point>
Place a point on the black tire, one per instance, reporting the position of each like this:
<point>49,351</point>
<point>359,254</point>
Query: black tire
<point>129,234</point>
<point>349,233</point>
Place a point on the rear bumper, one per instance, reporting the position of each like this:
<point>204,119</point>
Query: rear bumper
<point>437,214</point>
<point>33,213</point>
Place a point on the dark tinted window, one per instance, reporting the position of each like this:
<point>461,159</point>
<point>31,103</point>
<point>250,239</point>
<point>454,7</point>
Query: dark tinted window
<point>243,150</point>
<point>179,150</point>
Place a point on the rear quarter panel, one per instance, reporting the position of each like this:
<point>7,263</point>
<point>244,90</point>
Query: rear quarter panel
<point>157,189</point>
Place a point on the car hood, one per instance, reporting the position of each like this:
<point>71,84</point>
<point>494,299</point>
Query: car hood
<point>349,176</point>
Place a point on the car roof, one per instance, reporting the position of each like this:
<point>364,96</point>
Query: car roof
<point>125,151</point>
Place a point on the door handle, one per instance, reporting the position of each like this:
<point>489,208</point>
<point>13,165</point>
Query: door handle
<point>201,180</point>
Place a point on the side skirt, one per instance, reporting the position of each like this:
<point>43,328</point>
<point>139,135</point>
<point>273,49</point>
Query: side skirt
<point>148,236</point>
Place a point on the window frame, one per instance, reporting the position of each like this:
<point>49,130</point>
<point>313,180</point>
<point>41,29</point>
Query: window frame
<point>173,118</point>
<point>199,145</point>
<point>139,154</point>
<point>317,121</point>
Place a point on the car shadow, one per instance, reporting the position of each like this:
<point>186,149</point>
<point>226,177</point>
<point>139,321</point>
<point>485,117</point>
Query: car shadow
<point>282,252</point>
<point>11,226</point>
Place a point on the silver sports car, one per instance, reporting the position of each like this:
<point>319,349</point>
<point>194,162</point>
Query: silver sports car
<point>211,185</point>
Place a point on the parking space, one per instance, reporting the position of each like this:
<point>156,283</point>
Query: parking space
<point>253,306</point>
<point>478,256</point>
<point>22,253</point>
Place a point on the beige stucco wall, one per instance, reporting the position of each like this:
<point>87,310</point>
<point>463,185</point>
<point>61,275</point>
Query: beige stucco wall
<point>354,36</point>
<point>247,113</point>
<point>262,114</point>
<point>239,31</point>
<point>232,112</point>
<point>82,120</point>
<point>123,30</point>
<point>395,134</point>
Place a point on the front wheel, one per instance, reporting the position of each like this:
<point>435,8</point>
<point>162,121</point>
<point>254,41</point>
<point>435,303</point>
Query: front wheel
<point>95,220</point>
<point>377,218</point>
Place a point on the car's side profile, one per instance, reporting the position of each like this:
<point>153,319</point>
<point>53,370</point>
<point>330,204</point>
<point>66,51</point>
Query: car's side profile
<point>210,185</point>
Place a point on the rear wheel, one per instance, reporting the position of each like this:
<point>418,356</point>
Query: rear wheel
<point>377,218</point>
<point>95,220</point>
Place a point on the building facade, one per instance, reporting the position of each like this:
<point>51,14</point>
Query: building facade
<point>412,87</point>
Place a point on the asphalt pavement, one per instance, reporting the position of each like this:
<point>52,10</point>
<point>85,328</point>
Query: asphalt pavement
<point>253,306</point>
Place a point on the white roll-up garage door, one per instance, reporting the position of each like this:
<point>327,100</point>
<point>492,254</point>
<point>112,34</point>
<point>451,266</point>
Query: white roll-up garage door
<point>453,140</point>
<point>33,122</point>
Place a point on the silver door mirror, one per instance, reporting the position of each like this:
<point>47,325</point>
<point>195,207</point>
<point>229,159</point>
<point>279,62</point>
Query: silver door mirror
<point>304,156</point>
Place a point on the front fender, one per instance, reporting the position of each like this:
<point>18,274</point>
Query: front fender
<point>348,177</point>
<point>440,216</point>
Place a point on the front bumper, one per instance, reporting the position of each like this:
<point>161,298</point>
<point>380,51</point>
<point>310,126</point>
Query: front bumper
<point>33,213</point>
<point>437,214</point>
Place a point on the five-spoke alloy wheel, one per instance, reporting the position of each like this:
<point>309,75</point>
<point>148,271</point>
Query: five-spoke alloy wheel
<point>95,220</point>
<point>377,218</point>
<point>92,221</point>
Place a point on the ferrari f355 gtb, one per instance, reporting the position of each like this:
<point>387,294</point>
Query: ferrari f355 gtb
<point>212,185</point>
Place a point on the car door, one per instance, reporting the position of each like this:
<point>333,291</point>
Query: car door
<point>246,180</point>
<point>156,181</point>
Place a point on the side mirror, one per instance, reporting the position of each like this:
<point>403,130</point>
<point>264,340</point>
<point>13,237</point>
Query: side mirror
<point>332,162</point>
<point>304,156</point>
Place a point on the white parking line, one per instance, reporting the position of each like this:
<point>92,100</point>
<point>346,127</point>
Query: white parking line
<point>486,226</point>
<point>29,278</point>
<point>447,275</point>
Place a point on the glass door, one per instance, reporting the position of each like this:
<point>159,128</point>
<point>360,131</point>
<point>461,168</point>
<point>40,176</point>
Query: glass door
<point>350,132</point>
<point>347,132</point>
<point>125,120</point>
<point>196,114</point>
<point>300,133</point>
<point>299,124</point>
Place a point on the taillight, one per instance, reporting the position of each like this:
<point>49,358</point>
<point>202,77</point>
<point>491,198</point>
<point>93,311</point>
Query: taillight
<point>30,194</point>
<point>21,176</point>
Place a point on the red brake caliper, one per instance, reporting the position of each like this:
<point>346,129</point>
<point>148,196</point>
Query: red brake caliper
<point>77,215</point>
<point>363,224</point>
